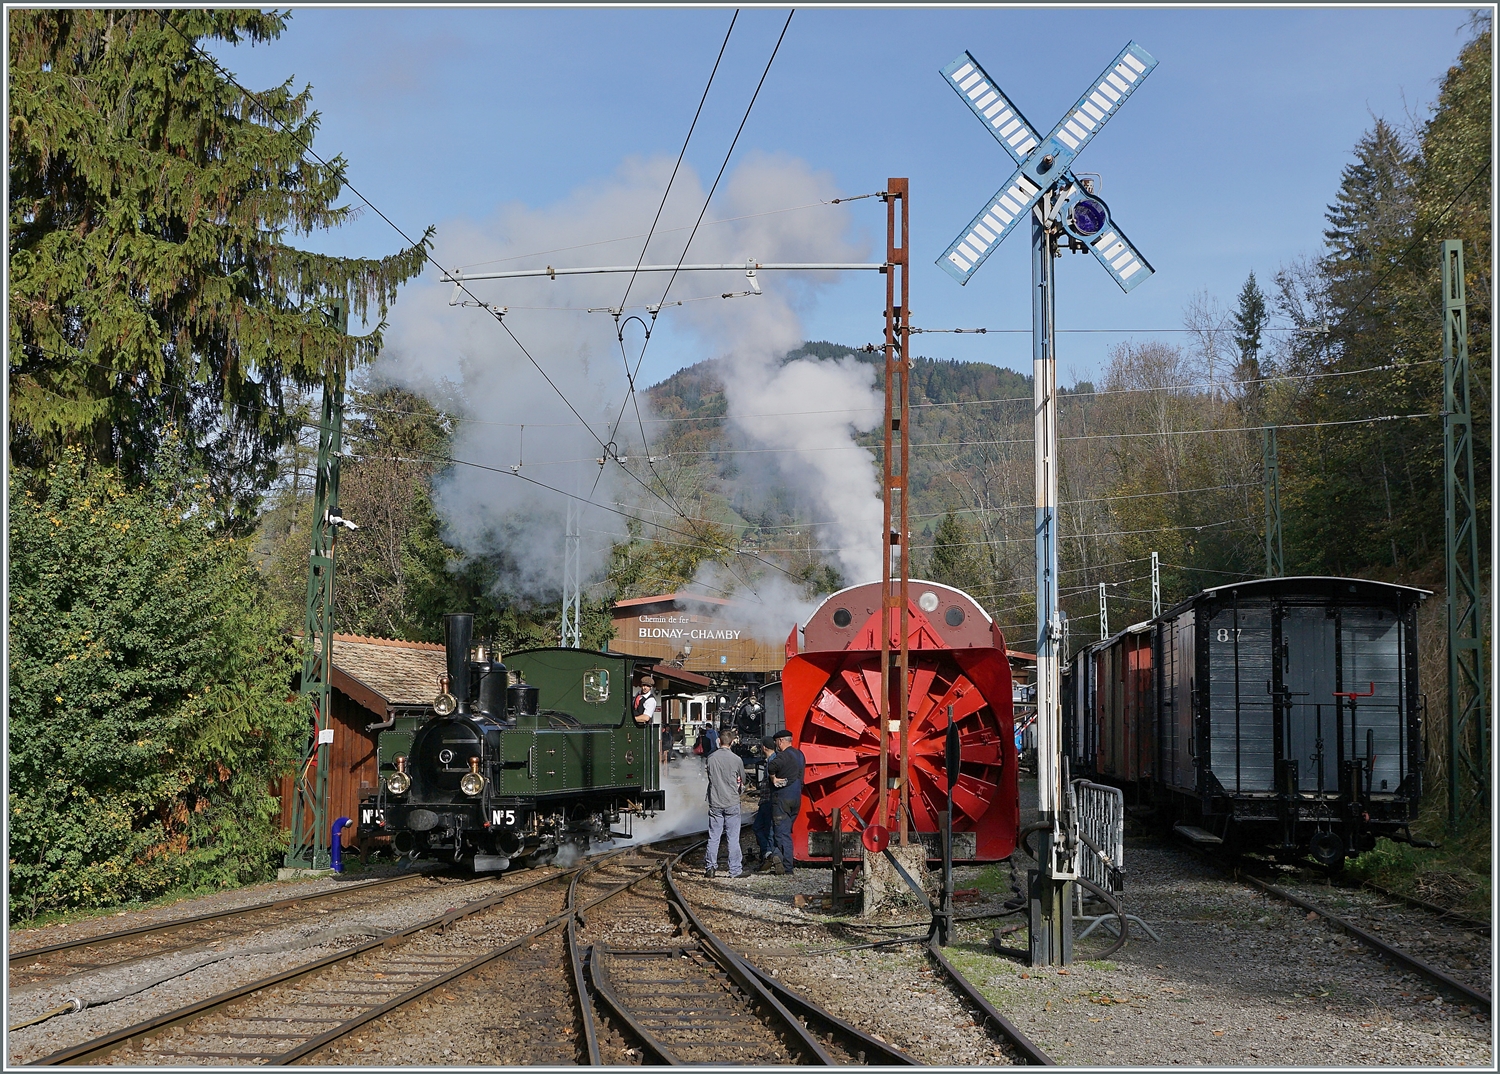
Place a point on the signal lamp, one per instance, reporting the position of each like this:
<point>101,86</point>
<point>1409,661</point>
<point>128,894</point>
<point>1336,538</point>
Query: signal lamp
<point>445,704</point>
<point>1088,217</point>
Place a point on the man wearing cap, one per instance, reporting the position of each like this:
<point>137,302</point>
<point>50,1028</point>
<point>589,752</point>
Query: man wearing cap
<point>785,771</point>
<point>726,778</point>
<point>764,824</point>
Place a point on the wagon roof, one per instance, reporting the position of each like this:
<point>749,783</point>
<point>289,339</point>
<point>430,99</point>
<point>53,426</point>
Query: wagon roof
<point>1306,583</point>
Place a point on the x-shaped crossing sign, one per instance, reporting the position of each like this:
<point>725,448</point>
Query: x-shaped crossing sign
<point>1046,164</point>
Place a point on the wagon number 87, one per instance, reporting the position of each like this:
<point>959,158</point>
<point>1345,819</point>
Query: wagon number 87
<point>1226,632</point>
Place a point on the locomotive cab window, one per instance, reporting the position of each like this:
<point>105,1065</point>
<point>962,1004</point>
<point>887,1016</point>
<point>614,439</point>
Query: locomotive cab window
<point>596,686</point>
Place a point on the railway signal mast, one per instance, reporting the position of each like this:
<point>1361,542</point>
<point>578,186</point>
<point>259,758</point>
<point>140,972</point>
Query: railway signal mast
<point>1065,212</point>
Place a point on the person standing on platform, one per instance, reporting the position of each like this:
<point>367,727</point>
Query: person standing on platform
<point>726,780</point>
<point>764,824</point>
<point>785,770</point>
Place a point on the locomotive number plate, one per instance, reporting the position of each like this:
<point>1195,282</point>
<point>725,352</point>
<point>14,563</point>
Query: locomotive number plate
<point>503,816</point>
<point>370,817</point>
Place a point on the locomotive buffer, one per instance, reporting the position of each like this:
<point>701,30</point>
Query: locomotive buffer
<point>1065,212</point>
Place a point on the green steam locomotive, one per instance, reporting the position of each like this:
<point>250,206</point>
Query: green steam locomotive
<point>518,761</point>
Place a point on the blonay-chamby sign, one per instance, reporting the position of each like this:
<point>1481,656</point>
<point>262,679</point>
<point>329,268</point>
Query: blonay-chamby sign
<point>680,626</point>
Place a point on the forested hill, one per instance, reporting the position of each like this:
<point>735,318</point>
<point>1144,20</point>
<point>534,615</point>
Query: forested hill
<point>952,403</point>
<point>698,390</point>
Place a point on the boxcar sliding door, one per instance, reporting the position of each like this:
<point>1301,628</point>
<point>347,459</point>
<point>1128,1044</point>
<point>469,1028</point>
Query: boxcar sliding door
<point>1241,703</point>
<point>1372,660</point>
<point>1308,683</point>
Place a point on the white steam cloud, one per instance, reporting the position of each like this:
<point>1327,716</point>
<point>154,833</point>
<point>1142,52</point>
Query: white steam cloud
<point>466,362</point>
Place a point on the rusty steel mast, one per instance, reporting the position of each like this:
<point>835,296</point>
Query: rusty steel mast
<point>895,558</point>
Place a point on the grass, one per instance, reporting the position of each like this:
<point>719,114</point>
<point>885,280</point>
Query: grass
<point>352,867</point>
<point>1455,875</point>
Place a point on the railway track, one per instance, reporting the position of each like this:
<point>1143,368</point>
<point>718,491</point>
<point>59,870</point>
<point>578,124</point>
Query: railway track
<point>456,1014</point>
<point>603,963</point>
<point>52,963</point>
<point>269,1019</point>
<point>1390,952</point>
<point>663,989</point>
<point>573,1000</point>
<point>1026,1049</point>
<point>1473,924</point>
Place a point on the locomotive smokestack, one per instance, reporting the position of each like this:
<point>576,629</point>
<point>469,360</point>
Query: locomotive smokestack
<point>458,634</point>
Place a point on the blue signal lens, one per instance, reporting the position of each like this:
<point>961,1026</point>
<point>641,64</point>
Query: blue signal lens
<point>1088,217</point>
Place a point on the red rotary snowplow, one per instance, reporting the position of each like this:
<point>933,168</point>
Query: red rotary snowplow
<point>831,692</point>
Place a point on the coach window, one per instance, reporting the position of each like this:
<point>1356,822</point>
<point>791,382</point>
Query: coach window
<point>596,686</point>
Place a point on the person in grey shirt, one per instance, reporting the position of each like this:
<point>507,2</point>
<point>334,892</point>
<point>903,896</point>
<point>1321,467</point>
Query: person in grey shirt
<point>726,779</point>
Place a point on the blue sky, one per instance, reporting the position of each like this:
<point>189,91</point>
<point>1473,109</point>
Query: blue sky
<point>1221,163</point>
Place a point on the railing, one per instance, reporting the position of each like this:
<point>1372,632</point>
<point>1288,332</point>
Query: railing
<point>1101,823</point>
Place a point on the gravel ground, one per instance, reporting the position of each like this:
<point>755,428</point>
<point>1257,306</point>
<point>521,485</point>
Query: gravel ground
<point>1238,979</point>
<point>893,994</point>
<point>321,934</point>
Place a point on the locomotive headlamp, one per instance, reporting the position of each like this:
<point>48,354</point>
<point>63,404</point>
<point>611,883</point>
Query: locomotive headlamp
<point>445,704</point>
<point>398,782</point>
<point>472,783</point>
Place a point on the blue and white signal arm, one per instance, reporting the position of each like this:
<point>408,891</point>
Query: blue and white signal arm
<point>1045,164</point>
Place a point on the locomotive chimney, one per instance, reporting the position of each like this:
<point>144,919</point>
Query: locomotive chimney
<point>458,634</point>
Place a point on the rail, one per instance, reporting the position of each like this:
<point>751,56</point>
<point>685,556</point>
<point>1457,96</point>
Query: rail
<point>1030,1054</point>
<point>91,1050</point>
<point>21,958</point>
<point>1395,954</point>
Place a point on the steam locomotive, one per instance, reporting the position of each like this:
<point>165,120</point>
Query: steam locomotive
<point>1281,714</point>
<point>518,760</point>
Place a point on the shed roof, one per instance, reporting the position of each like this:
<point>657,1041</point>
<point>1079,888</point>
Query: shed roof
<point>635,604</point>
<point>382,672</point>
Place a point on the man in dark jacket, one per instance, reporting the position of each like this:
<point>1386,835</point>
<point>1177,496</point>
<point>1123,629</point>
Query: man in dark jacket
<point>785,772</point>
<point>764,825</point>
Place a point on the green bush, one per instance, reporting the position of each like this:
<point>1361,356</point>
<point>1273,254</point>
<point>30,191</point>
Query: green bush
<point>149,693</point>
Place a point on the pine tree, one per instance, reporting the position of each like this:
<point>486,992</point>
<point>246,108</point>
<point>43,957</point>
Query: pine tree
<point>152,286</point>
<point>956,560</point>
<point>1250,321</point>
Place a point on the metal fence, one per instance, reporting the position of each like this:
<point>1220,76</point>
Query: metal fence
<point>1101,819</point>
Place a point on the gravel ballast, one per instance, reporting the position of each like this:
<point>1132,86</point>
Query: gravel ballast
<point>1237,979</point>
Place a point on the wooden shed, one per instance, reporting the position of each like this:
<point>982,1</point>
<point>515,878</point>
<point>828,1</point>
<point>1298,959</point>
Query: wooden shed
<point>374,680</point>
